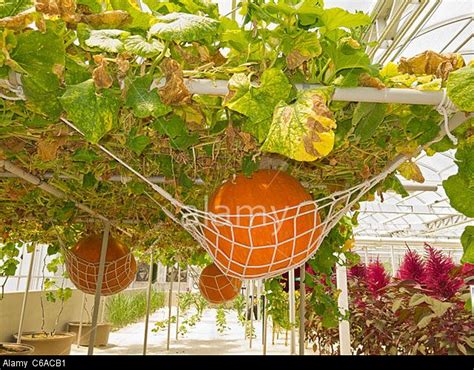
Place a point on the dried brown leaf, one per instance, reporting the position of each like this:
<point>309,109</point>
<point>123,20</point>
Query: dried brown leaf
<point>248,141</point>
<point>367,80</point>
<point>431,63</point>
<point>47,148</point>
<point>101,76</point>
<point>66,9</point>
<point>174,91</point>
<point>19,21</point>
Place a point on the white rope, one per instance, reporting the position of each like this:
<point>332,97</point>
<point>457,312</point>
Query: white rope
<point>445,108</point>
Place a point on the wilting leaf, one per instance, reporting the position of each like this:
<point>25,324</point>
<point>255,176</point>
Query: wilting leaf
<point>47,147</point>
<point>258,102</point>
<point>306,46</point>
<point>142,101</point>
<point>183,27</point>
<point>66,9</point>
<point>100,75</point>
<point>460,194</point>
<point>137,44</point>
<point>17,21</point>
<point>431,63</point>
<point>367,80</point>
<point>460,88</point>
<point>107,40</point>
<point>411,171</point>
<point>110,19</point>
<point>467,241</point>
<point>93,113</point>
<point>174,91</point>
<point>367,117</point>
<point>303,130</point>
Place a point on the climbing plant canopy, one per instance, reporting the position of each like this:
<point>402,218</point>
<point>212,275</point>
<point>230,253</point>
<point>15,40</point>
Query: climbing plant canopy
<point>118,73</point>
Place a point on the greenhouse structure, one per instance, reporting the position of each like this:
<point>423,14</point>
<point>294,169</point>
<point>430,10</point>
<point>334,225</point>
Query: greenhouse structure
<point>236,177</point>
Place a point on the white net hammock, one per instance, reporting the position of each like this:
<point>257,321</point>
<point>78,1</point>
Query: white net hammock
<point>118,274</point>
<point>235,241</point>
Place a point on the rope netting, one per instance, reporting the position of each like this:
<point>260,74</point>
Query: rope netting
<point>267,243</point>
<point>118,274</point>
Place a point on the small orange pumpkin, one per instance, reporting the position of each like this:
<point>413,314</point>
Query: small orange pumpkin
<point>82,265</point>
<point>216,287</point>
<point>252,243</point>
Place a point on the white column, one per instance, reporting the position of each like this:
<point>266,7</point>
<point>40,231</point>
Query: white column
<point>343,303</point>
<point>177,301</point>
<point>392,261</point>
<point>291,292</point>
<point>252,290</point>
<point>170,297</point>
<point>79,331</point>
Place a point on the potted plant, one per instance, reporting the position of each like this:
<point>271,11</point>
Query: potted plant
<point>52,342</point>
<point>101,334</point>
<point>15,349</point>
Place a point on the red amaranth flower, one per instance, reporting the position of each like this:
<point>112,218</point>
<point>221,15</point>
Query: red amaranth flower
<point>412,267</point>
<point>377,278</point>
<point>358,271</point>
<point>440,277</point>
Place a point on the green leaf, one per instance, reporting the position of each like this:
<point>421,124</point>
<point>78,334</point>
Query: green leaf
<point>460,88</point>
<point>138,143</point>
<point>367,117</point>
<point>76,71</point>
<point>467,241</point>
<point>175,128</point>
<point>142,101</point>
<point>93,113</point>
<point>84,155</point>
<point>249,165</point>
<point>303,130</point>
<point>40,57</point>
<point>110,41</point>
<point>460,194</point>
<point>393,183</point>
<point>138,45</point>
<point>183,27</point>
<point>258,102</point>
<point>333,18</point>
<point>9,8</point>
<point>89,180</point>
<point>465,162</point>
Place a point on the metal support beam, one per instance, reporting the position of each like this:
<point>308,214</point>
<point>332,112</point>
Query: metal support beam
<point>170,298</point>
<point>25,295</point>
<point>292,309</point>
<point>302,310</point>
<point>98,288</point>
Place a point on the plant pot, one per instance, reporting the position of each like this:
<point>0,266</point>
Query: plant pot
<point>59,344</point>
<point>101,334</point>
<point>15,349</point>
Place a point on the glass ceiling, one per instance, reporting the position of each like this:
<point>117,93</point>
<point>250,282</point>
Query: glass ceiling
<point>405,28</point>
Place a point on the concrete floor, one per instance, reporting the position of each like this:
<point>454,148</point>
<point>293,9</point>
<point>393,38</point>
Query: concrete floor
<point>203,339</point>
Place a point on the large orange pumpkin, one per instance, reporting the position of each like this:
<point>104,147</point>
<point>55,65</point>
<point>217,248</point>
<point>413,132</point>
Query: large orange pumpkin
<point>216,287</point>
<point>82,265</point>
<point>248,242</point>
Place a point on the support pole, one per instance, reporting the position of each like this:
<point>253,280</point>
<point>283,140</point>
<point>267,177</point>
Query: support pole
<point>79,331</point>
<point>104,305</point>
<point>25,296</point>
<point>252,290</point>
<point>291,292</point>
<point>148,303</point>
<point>170,297</point>
<point>302,309</point>
<point>343,304</point>
<point>264,320</point>
<point>246,295</point>
<point>98,288</point>
<point>177,301</point>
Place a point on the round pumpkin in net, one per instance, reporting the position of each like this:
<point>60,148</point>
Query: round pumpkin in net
<point>82,265</point>
<point>216,287</point>
<point>257,231</point>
